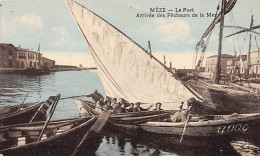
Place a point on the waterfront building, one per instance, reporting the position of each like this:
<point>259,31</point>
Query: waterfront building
<point>7,56</point>
<point>27,58</point>
<point>231,64</point>
<point>18,58</point>
<point>47,62</point>
<point>254,63</point>
<point>211,63</point>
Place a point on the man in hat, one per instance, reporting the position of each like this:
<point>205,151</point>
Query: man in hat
<point>193,106</point>
<point>107,104</point>
<point>131,109</point>
<point>96,96</point>
<point>181,106</point>
<point>158,106</point>
<point>138,108</point>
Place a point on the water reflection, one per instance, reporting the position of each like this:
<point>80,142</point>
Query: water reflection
<point>115,144</point>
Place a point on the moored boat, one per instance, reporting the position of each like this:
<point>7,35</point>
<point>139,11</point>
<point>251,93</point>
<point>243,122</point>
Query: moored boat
<point>25,113</point>
<point>34,71</point>
<point>86,109</point>
<point>209,131</point>
<point>59,138</point>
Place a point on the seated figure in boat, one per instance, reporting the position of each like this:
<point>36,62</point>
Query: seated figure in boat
<point>158,106</point>
<point>107,104</point>
<point>120,106</point>
<point>131,109</point>
<point>138,108</point>
<point>181,115</point>
<point>115,105</point>
<point>181,106</point>
<point>99,105</point>
<point>178,116</point>
<point>193,106</point>
<point>123,109</point>
<point>96,97</point>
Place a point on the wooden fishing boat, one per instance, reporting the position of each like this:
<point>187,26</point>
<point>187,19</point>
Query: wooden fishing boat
<point>59,138</point>
<point>86,109</point>
<point>212,130</point>
<point>227,96</point>
<point>25,113</point>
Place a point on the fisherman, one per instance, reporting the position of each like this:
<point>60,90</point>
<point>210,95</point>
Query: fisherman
<point>138,108</point>
<point>99,105</point>
<point>158,106</point>
<point>181,115</point>
<point>108,101</point>
<point>193,106</point>
<point>107,104</point>
<point>121,105</point>
<point>131,109</point>
<point>123,109</point>
<point>113,103</point>
<point>178,116</point>
<point>116,105</point>
<point>96,97</point>
<point>181,106</point>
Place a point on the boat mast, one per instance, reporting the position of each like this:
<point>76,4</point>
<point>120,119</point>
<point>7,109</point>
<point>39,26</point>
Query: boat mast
<point>218,66</point>
<point>248,56</point>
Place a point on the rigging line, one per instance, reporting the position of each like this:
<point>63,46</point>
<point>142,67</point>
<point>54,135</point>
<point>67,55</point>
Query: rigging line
<point>232,16</point>
<point>106,71</point>
<point>194,59</point>
<point>256,43</point>
<point>205,46</point>
<point>109,75</point>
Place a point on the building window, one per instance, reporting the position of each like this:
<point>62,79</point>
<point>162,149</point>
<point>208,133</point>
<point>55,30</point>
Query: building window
<point>31,64</point>
<point>34,64</point>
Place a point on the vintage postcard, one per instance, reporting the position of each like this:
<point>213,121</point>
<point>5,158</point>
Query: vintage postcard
<point>129,77</point>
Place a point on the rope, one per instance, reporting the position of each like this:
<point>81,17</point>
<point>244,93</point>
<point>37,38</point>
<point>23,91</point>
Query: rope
<point>104,68</point>
<point>256,44</point>
<point>203,45</point>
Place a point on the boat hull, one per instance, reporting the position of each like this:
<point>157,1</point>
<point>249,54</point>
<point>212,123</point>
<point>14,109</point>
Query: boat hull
<point>85,108</point>
<point>12,116</point>
<point>63,144</point>
<point>197,134</point>
<point>226,98</point>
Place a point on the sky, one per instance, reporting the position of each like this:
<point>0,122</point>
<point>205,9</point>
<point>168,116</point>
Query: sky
<point>49,22</point>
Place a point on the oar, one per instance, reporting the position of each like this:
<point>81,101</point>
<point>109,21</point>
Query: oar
<point>95,128</point>
<point>72,97</point>
<point>185,125</point>
<point>49,117</point>
<point>37,112</point>
<point>20,106</point>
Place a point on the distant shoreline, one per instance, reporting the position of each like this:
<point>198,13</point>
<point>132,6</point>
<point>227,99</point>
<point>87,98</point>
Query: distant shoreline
<point>90,68</point>
<point>56,68</point>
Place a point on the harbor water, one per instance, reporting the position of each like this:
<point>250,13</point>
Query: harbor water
<point>14,87</point>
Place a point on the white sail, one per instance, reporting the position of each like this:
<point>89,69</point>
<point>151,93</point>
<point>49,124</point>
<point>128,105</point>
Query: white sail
<point>125,68</point>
